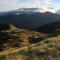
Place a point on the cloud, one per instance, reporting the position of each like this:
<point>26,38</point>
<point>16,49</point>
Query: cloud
<point>2,2</point>
<point>34,3</point>
<point>48,4</point>
<point>6,5</point>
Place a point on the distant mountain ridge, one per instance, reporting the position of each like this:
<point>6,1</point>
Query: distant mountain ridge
<point>29,21</point>
<point>20,11</point>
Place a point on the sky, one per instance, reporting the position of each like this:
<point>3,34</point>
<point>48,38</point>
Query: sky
<point>8,5</point>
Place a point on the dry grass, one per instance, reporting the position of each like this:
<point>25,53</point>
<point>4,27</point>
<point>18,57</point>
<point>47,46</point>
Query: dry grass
<point>46,49</point>
<point>49,49</point>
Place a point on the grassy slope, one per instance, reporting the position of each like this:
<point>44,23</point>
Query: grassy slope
<point>47,49</point>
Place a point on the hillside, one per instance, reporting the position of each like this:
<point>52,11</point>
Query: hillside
<point>10,36</point>
<point>22,44</point>
<point>49,27</point>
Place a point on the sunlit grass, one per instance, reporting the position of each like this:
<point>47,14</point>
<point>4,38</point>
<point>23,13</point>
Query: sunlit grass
<point>45,50</point>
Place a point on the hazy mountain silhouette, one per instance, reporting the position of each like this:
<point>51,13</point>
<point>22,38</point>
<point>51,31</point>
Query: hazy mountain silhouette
<point>29,21</point>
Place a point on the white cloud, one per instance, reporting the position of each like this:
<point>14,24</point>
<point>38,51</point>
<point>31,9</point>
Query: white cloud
<point>6,5</point>
<point>8,1</point>
<point>46,5</point>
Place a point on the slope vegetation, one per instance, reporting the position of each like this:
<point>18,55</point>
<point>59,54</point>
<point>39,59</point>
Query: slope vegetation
<point>22,44</point>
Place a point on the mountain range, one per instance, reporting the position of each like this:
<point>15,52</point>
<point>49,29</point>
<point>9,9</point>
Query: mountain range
<point>28,20</point>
